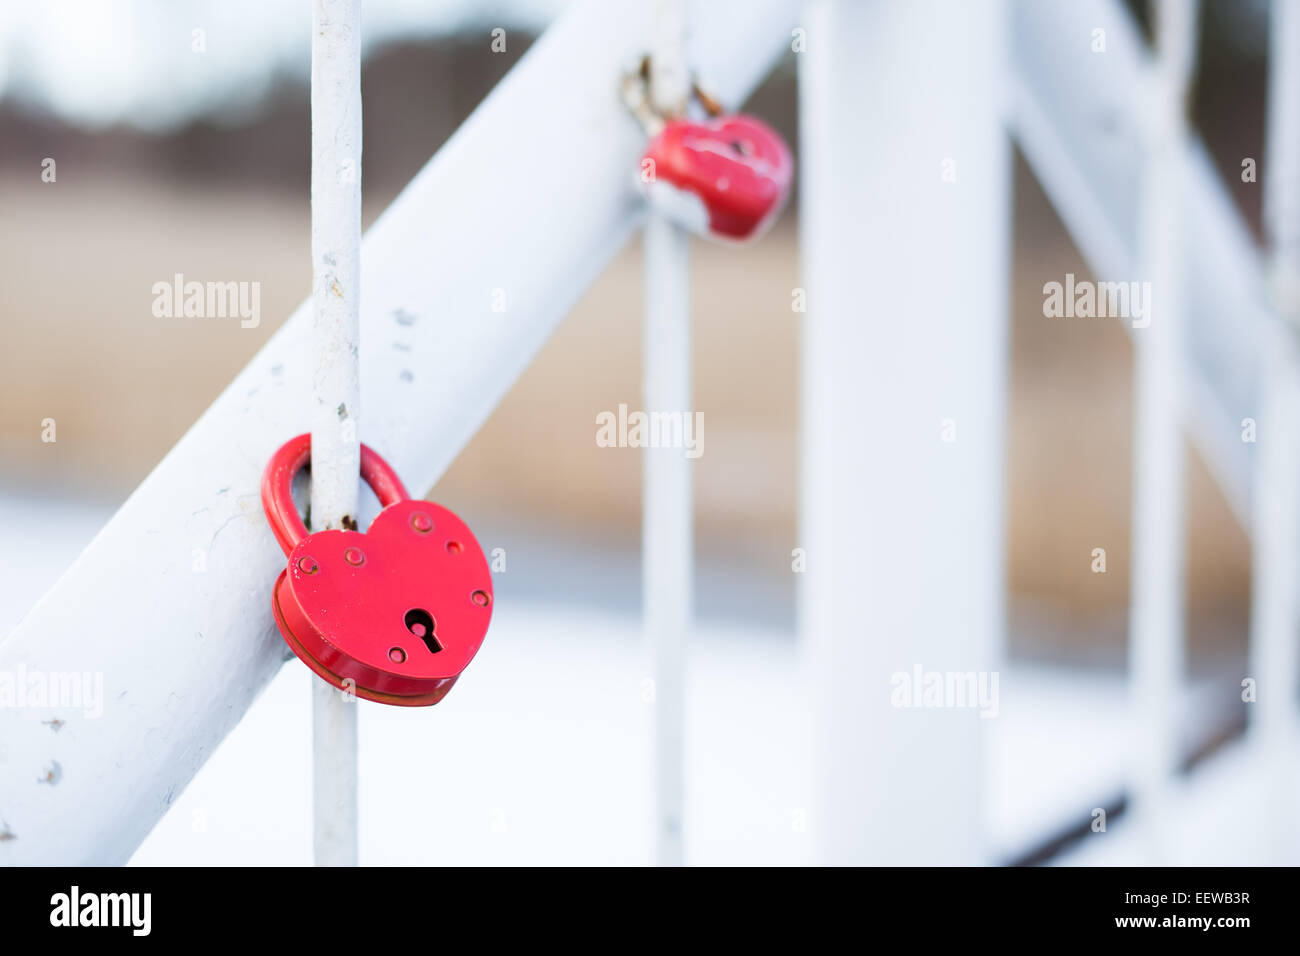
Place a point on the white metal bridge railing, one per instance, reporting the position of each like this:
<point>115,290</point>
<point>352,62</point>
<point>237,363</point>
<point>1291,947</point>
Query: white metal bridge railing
<point>195,650</point>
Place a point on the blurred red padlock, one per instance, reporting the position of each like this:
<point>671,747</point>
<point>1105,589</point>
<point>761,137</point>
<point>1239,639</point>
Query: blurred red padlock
<point>393,615</point>
<point>724,177</point>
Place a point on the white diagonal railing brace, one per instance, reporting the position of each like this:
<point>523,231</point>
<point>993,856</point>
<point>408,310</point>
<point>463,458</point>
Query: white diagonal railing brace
<point>182,655</point>
<point>336,386</point>
<point>1075,111</point>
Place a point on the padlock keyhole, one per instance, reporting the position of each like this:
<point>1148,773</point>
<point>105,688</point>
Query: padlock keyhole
<point>420,623</point>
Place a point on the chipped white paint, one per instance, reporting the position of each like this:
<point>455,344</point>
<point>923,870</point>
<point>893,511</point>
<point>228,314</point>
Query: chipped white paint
<point>182,653</point>
<point>336,404</point>
<point>336,259</point>
<point>670,77</point>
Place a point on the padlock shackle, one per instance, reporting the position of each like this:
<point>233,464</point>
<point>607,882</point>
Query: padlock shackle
<point>293,456</point>
<point>635,89</point>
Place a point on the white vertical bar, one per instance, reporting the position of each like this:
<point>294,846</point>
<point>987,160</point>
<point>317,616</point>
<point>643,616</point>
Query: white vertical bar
<point>1274,614</point>
<point>1282,160</point>
<point>905,214</point>
<point>670,73</point>
<point>668,564</point>
<point>667,543</point>
<point>336,449</point>
<point>1275,607</point>
<point>1156,623</point>
<point>1276,540</point>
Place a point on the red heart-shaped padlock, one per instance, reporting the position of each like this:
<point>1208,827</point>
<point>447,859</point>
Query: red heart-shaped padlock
<point>728,176</point>
<point>394,614</point>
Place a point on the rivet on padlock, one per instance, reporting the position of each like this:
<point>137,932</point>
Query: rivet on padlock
<point>394,614</point>
<point>725,177</point>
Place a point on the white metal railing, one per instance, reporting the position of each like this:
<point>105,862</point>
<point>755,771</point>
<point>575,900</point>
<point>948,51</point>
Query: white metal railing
<point>904,556</point>
<point>1274,662</point>
<point>1078,117</point>
<point>667,525</point>
<point>198,648</point>
<point>1157,630</point>
<point>1087,128</point>
<point>905,218</point>
<point>335,401</point>
<point>1226,358</point>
